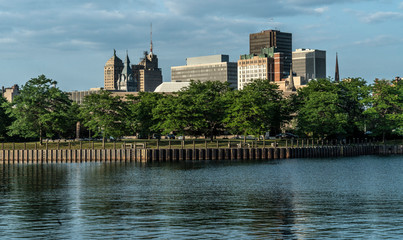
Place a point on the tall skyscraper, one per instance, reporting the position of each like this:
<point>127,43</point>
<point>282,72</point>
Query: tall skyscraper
<point>281,41</point>
<point>309,63</point>
<point>112,70</point>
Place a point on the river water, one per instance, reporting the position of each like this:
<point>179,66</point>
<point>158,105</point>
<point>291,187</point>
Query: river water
<point>360,197</point>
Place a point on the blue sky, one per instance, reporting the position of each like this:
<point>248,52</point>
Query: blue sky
<point>71,40</point>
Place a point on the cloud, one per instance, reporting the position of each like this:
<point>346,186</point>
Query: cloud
<point>379,41</point>
<point>381,17</point>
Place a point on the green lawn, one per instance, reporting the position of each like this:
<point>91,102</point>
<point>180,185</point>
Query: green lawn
<point>153,143</point>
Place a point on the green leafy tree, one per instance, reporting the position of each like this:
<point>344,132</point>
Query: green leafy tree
<point>352,93</point>
<point>386,108</point>
<point>198,109</point>
<point>257,108</point>
<point>103,114</point>
<point>140,118</point>
<point>5,120</point>
<point>320,113</point>
<point>41,110</point>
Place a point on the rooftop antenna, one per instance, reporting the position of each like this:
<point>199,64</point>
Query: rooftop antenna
<point>151,38</point>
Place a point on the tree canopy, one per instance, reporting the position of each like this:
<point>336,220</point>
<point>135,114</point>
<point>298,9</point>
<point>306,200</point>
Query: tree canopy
<point>104,114</point>
<point>40,110</point>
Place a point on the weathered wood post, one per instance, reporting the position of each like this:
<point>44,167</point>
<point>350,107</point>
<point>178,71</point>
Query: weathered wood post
<point>169,143</point>
<point>218,146</point>
<point>158,144</point>
<point>25,146</point>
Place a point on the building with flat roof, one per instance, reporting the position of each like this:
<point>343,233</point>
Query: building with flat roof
<point>207,68</point>
<point>281,41</point>
<point>309,63</point>
<point>266,65</point>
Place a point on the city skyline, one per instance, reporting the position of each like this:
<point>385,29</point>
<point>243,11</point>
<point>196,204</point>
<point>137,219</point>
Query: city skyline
<point>71,41</point>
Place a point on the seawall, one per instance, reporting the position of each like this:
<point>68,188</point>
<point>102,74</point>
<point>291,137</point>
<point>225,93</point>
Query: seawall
<point>190,154</point>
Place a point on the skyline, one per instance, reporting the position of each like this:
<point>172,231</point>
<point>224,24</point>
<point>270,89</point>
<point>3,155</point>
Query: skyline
<point>70,41</point>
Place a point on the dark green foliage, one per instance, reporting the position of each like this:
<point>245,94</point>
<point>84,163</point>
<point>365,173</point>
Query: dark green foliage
<point>5,120</point>
<point>257,108</point>
<point>196,110</point>
<point>385,115</point>
<point>320,111</point>
<point>41,110</point>
<point>104,115</point>
<point>140,117</point>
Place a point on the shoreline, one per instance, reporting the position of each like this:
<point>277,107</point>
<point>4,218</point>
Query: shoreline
<point>190,154</point>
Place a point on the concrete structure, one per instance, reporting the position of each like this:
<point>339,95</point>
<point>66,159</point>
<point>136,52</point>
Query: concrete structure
<point>78,96</point>
<point>171,87</point>
<point>281,41</point>
<point>112,70</point>
<point>309,63</point>
<point>10,93</point>
<point>267,65</point>
<point>207,68</point>
<point>144,154</point>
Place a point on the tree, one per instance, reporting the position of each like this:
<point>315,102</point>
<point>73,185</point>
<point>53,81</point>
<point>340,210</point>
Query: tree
<point>257,108</point>
<point>5,120</point>
<point>40,110</point>
<point>386,108</point>
<point>140,118</point>
<point>320,113</point>
<point>351,93</point>
<point>104,114</point>
<point>198,109</point>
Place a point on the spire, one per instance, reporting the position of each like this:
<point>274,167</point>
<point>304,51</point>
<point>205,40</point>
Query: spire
<point>151,39</point>
<point>336,72</point>
<point>127,60</point>
<point>291,86</point>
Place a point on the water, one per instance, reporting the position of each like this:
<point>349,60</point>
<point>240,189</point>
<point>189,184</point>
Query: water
<point>345,198</point>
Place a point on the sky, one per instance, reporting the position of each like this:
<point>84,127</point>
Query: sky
<point>70,40</point>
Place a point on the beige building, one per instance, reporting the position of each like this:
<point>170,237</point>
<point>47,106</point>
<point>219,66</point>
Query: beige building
<point>267,65</point>
<point>309,63</point>
<point>207,68</point>
<point>112,71</point>
<point>147,73</point>
<point>10,93</point>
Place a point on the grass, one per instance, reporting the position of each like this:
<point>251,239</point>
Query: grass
<point>153,143</point>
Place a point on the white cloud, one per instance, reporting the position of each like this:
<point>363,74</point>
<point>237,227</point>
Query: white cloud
<point>381,16</point>
<point>377,41</point>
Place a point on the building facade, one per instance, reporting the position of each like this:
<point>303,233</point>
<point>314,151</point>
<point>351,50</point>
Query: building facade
<point>147,73</point>
<point>10,93</point>
<point>281,41</point>
<point>112,70</point>
<point>267,65</point>
<point>127,82</point>
<point>207,68</point>
<point>309,63</point>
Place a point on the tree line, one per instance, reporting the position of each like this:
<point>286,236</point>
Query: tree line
<point>323,109</point>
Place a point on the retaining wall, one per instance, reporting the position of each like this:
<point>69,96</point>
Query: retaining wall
<point>190,154</point>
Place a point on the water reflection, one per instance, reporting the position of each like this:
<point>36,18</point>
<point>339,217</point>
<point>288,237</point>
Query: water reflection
<point>288,199</point>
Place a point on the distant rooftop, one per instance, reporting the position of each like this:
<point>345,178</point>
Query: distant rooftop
<point>169,87</point>
<point>207,59</point>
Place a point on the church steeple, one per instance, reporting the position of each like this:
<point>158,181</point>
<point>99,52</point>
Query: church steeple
<point>336,72</point>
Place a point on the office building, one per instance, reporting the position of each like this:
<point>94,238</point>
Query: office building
<point>266,65</point>
<point>147,73</point>
<point>281,41</point>
<point>309,63</point>
<point>207,68</point>
<point>112,70</point>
